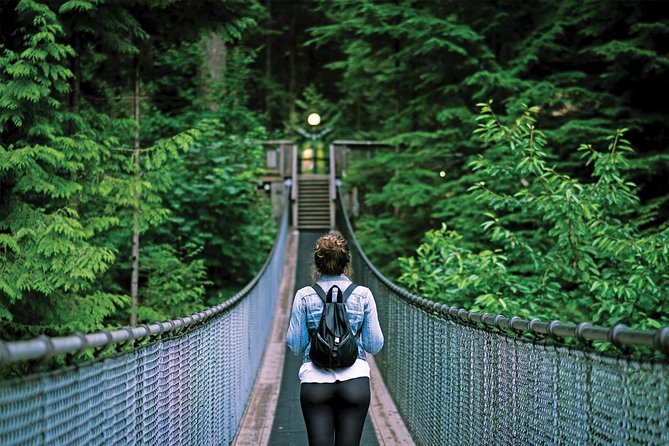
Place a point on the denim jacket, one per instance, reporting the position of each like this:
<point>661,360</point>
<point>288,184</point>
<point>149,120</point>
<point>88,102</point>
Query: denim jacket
<point>361,309</point>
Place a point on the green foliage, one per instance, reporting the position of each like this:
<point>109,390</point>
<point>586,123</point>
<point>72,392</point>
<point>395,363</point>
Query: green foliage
<point>215,201</point>
<point>445,271</point>
<point>174,284</point>
<point>152,181</point>
<point>33,72</point>
<point>558,247</point>
<point>49,249</point>
<point>218,206</point>
<point>405,177</point>
<point>69,179</point>
<point>408,74</point>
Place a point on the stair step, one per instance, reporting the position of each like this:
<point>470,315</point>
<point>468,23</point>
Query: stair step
<point>320,215</point>
<point>314,211</point>
<point>314,220</point>
<point>323,205</point>
<point>313,203</point>
<point>315,208</point>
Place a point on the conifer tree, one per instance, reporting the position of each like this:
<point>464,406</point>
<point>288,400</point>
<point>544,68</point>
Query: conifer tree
<point>67,174</point>
<point>50,255</point>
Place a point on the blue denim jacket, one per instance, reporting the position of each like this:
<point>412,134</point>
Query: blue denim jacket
<point>361,309</point>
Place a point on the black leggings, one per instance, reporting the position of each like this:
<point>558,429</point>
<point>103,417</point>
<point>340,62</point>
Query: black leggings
<point>335,412</point>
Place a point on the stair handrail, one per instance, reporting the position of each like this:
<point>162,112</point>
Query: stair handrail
<point>333,187</point>
<point>293,186</point>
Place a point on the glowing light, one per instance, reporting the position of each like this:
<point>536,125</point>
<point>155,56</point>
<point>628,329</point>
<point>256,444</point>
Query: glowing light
<point>442,174</point>
<point>314,119</point>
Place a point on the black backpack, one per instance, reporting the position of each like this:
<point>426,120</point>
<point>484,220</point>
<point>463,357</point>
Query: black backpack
<point>333,345</point>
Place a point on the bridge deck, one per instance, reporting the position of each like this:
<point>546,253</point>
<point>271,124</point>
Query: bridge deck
<point>273,416</point>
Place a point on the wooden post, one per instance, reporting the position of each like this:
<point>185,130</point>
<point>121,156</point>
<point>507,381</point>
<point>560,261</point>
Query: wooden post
<point>333,187</point>
<point>293,189</point>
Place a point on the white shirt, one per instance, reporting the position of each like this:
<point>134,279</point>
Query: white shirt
<point>309,373</point>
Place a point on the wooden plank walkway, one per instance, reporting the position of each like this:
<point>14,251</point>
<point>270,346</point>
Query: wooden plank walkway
<point>273,416</point>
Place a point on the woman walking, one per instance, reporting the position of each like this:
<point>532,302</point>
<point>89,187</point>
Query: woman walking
<point>334,400</point>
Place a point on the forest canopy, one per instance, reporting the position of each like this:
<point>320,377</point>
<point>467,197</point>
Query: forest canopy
<point>116,125</point>
<point>526,169</point>
<point>565,220</point>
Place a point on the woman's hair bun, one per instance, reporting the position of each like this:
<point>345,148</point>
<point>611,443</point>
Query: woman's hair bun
<point>332,256</point>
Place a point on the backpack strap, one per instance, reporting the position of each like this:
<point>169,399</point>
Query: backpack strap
<point>349,291</point>
<point>327,297</point>
<point>317,288</point>
<point>324,297</point>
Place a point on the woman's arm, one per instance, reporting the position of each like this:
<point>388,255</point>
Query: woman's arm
<point>297,336</point>
<point>372,337</point>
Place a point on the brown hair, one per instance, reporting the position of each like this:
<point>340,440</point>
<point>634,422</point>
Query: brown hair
<point>331,255</point>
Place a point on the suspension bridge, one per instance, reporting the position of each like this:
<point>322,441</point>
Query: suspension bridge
<point>445,375</point>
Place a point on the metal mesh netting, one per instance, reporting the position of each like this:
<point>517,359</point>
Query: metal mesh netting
<point>187,390</point>
<point>457,384</point>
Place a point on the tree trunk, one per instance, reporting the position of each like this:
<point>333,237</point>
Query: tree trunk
<point>292,83</point>
<point>396,51</point>
<point>213,70</point>
<point>268,62</point>
<point>134,278</point>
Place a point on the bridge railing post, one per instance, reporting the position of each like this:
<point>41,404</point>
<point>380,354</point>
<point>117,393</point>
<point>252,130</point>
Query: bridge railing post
<point>293,187</point>
<point>333,187</point>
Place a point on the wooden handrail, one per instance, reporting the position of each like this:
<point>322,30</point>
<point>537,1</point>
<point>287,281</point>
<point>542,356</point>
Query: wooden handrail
<point>333,187</point>
<point>333,174</point>
<point>346,142</point>
<point>293,187</point>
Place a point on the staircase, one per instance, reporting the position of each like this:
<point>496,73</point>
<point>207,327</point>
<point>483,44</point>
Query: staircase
<point>313,202</point>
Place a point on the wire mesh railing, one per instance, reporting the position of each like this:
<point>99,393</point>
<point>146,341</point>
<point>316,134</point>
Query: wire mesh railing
<point>460,378</point>
<point>188,387</point>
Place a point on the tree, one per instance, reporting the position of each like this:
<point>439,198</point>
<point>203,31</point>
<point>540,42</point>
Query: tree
<point>410,73</point>
<point>68,179</point>
<point>554,244</point>
<point>49,248</point>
